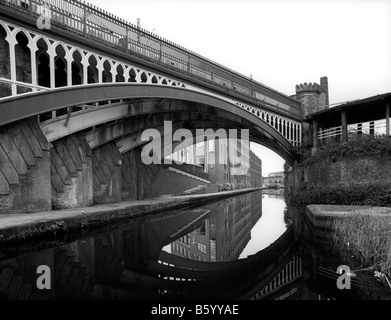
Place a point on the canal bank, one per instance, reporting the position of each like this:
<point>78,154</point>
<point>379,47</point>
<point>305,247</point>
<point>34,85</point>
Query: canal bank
<point>320,216</point>
<point>322,219</point>
<point>17,228</point>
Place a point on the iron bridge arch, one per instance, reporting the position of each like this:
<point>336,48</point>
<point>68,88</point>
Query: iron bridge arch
<point>78,97</point>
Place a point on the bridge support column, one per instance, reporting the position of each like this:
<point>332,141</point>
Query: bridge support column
<point>138,178</point>
<point>130,177</point>
<point>71,171</point>
<point>24,168</point>
<point>107,174</point>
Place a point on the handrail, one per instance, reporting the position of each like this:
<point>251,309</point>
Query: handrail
<point>377,125</point>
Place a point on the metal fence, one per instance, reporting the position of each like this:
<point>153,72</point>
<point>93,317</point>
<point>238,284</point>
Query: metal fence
<point>375,128</point>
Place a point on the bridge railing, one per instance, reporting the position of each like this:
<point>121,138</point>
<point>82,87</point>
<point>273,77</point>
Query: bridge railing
<point>353,130</point>
<point>96,24</point>
<point>291,272</point>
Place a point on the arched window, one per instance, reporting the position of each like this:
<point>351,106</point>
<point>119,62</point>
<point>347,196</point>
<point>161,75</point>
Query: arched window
<point>5,69</point>
<point>120,74</point>
<point>132,75</point>
<point>60,73</point>
<point>43,64</point>
<point>77,68</point>
<point>92,70</point>
<point>23,58</point>
<point>106,73</point>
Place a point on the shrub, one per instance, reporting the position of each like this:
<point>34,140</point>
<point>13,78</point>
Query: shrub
<point>363,195</point>
<point>374,146</point>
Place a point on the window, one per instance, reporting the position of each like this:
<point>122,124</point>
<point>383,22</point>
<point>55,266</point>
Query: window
<point>201,247</point>
<point>201,230</point>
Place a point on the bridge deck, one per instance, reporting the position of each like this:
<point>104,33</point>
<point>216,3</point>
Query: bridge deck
<point>82,23</point>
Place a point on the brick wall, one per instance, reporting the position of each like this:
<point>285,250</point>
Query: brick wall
<point>344,172</point>
<point>349,171</point>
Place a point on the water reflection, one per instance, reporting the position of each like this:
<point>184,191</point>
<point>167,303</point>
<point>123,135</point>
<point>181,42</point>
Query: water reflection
<point>247,247</point>
<point>321,261</point>
<point>224,233</point>
<point>125,261</point>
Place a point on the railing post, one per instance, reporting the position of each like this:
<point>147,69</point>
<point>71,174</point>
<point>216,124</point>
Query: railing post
<point>161,52</point>
<point>372,128</point>
<point>315,129</point>
<point>138,30</point>
<point>388,119</point>
<point>85,22</point>
<point>31,7</point>
<point>344,126</point>
<point>127,39</point>
<point>359,130</point>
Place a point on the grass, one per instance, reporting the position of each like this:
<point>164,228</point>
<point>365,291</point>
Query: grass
<point>368,238</point>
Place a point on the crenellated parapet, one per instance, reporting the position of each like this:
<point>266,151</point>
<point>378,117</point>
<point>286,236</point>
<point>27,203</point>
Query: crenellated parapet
<point>308,87</point>
<point>313,97</point>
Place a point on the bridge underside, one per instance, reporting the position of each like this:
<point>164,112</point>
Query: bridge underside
<point>95,135</point>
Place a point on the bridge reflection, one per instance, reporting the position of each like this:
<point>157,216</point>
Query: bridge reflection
<point>129,263</point>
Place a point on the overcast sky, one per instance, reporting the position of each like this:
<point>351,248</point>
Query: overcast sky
<point>280,43</point>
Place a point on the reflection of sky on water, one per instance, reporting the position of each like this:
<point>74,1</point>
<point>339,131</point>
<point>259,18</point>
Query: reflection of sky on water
<point>268,228</point>
<point>167,248</point>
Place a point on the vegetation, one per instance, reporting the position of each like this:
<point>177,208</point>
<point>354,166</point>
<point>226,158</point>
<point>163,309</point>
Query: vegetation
<point>373,194</point>
<point>368,238</point>
<point>360,195</point>
<point>367,145</point>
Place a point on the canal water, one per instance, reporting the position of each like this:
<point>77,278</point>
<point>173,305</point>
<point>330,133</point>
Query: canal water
<point>250,246</point>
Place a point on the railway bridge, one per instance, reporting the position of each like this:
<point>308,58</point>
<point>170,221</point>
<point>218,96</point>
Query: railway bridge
<point>78,86</point>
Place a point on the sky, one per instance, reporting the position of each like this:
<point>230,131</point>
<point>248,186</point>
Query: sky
<point>281,43</point>
<point>269,227</point>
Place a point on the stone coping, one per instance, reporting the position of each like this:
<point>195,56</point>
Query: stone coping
<point>336,211</point>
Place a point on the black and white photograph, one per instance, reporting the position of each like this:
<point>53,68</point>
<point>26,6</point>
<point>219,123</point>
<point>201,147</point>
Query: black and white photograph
<point>194,157</point>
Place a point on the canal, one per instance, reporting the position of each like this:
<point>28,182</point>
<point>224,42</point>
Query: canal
<point>246,247</point>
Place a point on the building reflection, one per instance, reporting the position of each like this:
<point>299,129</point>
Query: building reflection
<point>274,193</point>
<point>224,233</point>
<point>127,261</point>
